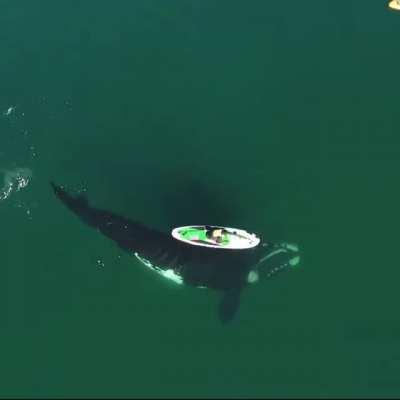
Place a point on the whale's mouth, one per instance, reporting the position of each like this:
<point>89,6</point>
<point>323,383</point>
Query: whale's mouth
<point>276,258</point>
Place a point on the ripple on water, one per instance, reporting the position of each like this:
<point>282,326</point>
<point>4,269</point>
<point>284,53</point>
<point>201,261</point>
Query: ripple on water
<point>14,180</point>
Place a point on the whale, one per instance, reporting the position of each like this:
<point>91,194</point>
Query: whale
<point>228,272</point>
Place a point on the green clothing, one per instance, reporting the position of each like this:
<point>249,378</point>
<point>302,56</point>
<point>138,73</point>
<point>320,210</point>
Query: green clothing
<point>194,234</point>
<point>200,234</point>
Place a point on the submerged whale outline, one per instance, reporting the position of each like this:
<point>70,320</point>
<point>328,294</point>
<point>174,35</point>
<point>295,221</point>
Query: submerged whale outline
<point>226,271</point>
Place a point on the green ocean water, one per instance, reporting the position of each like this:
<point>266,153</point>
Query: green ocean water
<point>279,117</point>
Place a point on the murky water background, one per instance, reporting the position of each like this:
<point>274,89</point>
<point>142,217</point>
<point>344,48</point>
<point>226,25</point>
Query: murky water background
<point>281,118</point>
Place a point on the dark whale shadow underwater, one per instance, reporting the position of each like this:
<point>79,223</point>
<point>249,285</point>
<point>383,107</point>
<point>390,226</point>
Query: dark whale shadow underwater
<point>227,271</point>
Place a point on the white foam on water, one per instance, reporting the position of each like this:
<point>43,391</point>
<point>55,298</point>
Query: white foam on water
<point>14,180</point>
<point>9,111</point>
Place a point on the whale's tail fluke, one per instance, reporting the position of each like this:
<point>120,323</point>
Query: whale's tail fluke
<point>79,205</point>
<point>73,203</point>
<point>130,235</point>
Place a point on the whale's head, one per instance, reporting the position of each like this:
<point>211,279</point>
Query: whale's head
<point>274,258</point>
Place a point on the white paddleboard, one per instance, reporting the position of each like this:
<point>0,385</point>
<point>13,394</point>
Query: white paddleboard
<point>235,238</point>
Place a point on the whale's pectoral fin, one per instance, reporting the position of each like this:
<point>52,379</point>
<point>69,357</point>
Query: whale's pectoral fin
<point>229,304</point>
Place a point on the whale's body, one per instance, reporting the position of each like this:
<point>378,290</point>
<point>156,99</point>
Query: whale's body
<point>219,269</point>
